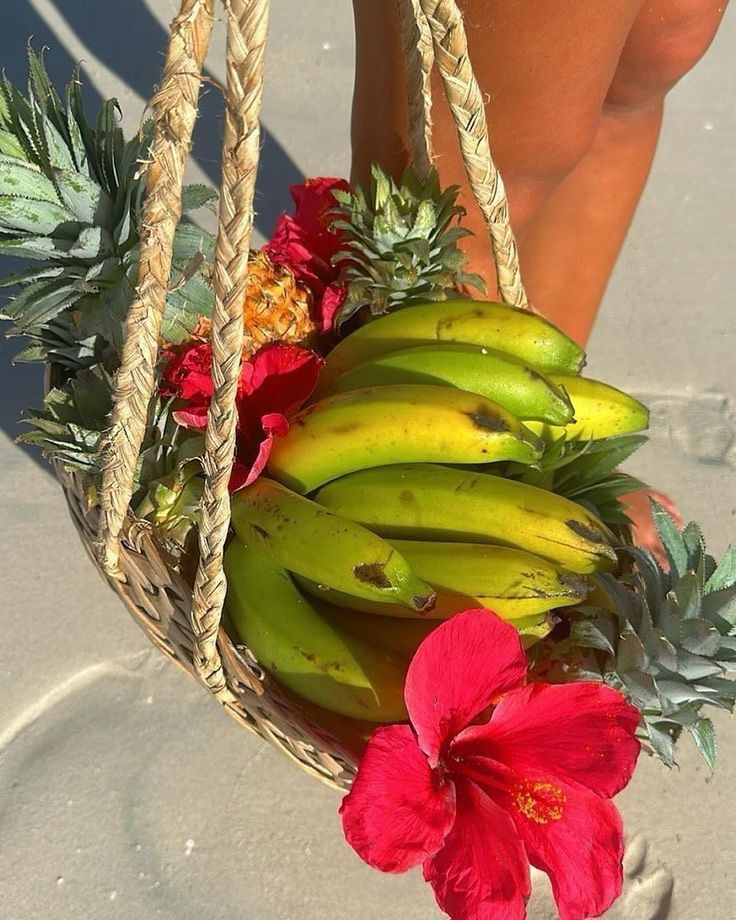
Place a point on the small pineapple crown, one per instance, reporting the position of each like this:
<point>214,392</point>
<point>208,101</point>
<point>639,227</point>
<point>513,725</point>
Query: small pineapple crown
<point>401,243</point>
<point>667,639</point>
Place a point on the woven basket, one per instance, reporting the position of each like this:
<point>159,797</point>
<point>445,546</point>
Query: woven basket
<point>185,620</point>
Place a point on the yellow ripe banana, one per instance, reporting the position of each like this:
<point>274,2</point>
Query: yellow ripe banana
<point>304,538</point>
<point>513,583</point>
<point>601,411</point>
<point>515,386</point>
<point>428,502</point>
<point>408,423</point>
<point>516,332</point>
<point>304,651</point>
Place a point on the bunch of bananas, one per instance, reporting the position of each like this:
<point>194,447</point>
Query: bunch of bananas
<point>384,512</point>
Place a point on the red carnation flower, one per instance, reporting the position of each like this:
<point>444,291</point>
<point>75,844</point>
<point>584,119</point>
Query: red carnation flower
<point>475,801</point>
<point>274,384</point>
<point>307,244</point>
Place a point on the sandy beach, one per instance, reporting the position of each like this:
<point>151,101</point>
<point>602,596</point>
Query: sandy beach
<point>125,793</point>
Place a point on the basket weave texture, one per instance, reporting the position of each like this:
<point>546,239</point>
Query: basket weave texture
<point>182,619</point>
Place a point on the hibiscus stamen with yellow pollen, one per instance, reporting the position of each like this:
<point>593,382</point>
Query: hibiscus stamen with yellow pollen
<point>538,801</point>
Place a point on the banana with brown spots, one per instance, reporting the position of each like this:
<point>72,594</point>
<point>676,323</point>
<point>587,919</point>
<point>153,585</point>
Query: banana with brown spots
<point>305,538</point>
<point>405,423</point>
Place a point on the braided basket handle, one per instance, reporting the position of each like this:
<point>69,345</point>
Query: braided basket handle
<point>444,21</point>
<point>418,48</point>
<point>246,43</point>
<point>174,114</point>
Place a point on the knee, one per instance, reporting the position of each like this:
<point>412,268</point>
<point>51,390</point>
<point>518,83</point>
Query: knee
<point>545,155</point>
<point>542,162</point>
<point>667,42</point>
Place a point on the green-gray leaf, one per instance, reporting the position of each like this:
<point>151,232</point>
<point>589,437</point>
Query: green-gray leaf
<point>196,196</point>
<point>661,741</point>
<point>725,574</point>
<point>45,218</point>
<point>704,736</point>
<point>671,538</point>
<point>87,201</point>
<point>23,180</point>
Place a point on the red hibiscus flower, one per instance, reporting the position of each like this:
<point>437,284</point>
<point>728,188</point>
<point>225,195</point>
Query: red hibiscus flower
<point>274,384</point>
<point>476,800</point>
<point>307,245</point>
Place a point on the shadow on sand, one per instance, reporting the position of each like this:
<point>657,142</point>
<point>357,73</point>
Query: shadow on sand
<point>132,46</point>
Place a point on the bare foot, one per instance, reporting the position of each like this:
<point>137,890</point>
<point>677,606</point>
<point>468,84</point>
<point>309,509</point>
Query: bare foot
<point>640,514</point>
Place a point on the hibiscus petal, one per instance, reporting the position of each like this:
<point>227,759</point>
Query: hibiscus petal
<point>291,247</point>
<point>274,425</point>
<point>580,732</point>
<point>239,477</point>
<point>191,417</point>
<point>332,299</point>
<point>574,836</point>
<point>280,378</point>
<point>481,872</point>
<point>398,810</point>
<point>457,671</point>
<point>315,208</point>
<point>185,372</point>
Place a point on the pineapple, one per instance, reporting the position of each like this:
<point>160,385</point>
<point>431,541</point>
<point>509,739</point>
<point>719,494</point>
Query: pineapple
<point>70,199</point>
<point>666,640</point>
<point>277,307</point>
<point>400,244</point>
<point>168,483</point>
<point>70,204</point>
<point>587,472</point>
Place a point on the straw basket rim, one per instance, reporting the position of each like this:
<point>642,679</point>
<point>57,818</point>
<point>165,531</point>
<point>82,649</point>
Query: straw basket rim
<point>159,600</point>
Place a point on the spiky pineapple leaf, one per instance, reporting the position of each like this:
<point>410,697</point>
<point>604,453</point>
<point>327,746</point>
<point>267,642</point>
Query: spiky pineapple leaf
<point>663,637</point>
<point>25,180</point>
<point>167,482</point>
<point>70,425</point>
<point>672,539</point>
<point>194,197</point>
<point>662,741</point>
<point>586,472</point>
<point>720,608</point>
<point>704,735</point>
<point>400,244</point>
<point>62,343</point>
<point>70,199</point>
<point>724,575</point>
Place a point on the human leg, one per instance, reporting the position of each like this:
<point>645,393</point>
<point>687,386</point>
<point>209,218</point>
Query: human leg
<point>575,101</point>
<point>546,66</point>
<point>571,246</point>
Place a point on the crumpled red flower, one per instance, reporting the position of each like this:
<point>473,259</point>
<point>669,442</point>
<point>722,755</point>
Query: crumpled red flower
<point>493,775</point>
<point>306,244</point>
<point>273,385</point>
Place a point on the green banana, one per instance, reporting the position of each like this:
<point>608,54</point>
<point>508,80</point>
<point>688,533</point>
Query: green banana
<point>428,502</point>
<point>302,649</point>
<point>601,411</point>
<point>304,538</point>
<point>384,425</point>
<point>514,584</point>
<point>520,333</point>
<point>515,386</point>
